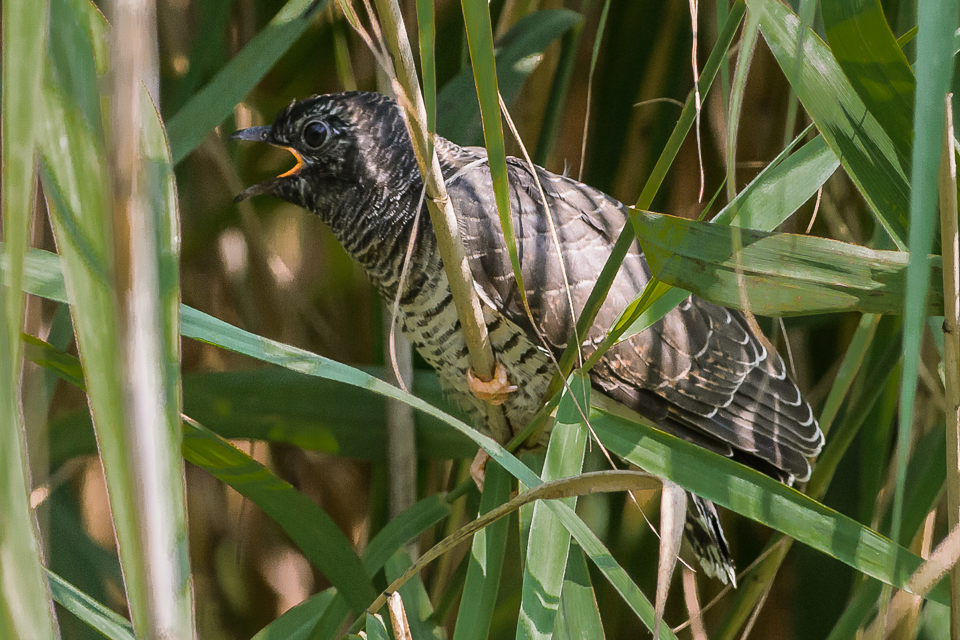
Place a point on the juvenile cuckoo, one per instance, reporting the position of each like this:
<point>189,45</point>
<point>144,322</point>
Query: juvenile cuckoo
<point>699,373</point>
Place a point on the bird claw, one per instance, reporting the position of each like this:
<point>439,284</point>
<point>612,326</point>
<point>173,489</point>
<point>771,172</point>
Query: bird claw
<point>494,391</point>
<point>478,468</point>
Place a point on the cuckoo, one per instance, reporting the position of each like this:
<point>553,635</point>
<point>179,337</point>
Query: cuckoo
<point>699,373</point>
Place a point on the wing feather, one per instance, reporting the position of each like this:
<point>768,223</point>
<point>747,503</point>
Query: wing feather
<point>716,382</point>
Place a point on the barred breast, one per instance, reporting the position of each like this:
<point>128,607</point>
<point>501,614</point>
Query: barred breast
<point>428,318</point>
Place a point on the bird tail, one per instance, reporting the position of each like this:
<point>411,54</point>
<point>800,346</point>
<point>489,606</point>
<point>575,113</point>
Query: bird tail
<point>709,544</point>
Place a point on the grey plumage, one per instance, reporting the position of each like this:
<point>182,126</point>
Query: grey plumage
<point>700,373</point>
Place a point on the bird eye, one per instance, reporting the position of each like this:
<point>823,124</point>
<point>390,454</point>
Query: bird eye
<point>315,134</point>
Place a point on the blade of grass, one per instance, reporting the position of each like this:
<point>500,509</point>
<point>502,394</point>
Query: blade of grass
<point>476,18</point>
<point>549,542</point>
<point>951,341</point>
<point>486,561</point>
<point>594,56</point>
<point>748,42</point>
<point>579,617</point>
<point>304,521</point>
<point>298,622</point>
<point>874,383</point>
<point>849,368</point>
<point>868,53</point>
<point>937,22</point>
<point>808,11</point>
<point>26,609</point>
<point>98,616</point>
<point>761,498</point>
<point>783,274</point>
<point>866,151</point>
<point>75,180</point>
<point>876,446</point>
<point>145,260</point>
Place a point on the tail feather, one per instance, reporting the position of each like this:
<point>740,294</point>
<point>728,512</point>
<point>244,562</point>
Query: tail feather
<point>709,544</point>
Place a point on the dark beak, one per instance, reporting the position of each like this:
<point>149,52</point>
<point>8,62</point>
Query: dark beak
<point>254,134</point>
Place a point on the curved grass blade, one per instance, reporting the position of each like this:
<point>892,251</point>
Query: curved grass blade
<point>937,21</point>
<point>486,561</point>
<point>784,274</point>
<point>303,520</point>
<point>26,609</point>
<point>865,149</point>
<point>43,277</point>
<point>267,404</point>
<point>98,616</point>
<point>549,543</point>
<point>867,51</point>
<point>299,622</point>
<point>476,17</point>
<point>322,616</point>
<point>759,498</point>
<point>215,102</point>
<point>579,617</point>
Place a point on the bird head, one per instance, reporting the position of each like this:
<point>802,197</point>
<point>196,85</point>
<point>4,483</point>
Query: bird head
<point>346,143</point>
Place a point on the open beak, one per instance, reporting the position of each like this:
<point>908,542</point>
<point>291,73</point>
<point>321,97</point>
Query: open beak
<point>260,134</point>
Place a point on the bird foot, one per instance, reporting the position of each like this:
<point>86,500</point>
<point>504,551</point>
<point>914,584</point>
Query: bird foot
<point>494,391</point>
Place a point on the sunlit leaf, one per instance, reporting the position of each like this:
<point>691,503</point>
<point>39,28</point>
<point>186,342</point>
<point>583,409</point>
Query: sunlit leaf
<point>865,149</point>
<point>781,274</point>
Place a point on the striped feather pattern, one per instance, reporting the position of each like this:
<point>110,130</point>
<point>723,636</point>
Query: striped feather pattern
<point>700,372</point>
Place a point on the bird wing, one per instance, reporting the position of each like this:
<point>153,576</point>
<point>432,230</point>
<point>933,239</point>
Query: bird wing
<point>699,371</point>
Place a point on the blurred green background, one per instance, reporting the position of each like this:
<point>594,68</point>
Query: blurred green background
<point>276,271</point>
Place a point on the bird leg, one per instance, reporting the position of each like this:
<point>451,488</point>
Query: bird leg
<point>494,391</point>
